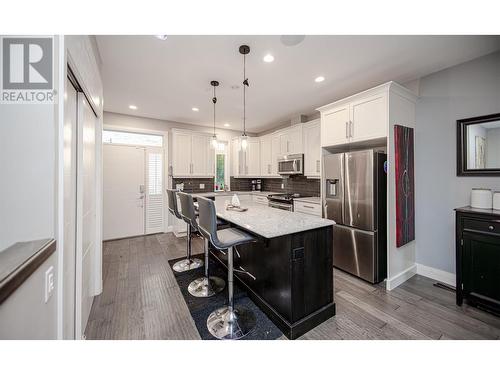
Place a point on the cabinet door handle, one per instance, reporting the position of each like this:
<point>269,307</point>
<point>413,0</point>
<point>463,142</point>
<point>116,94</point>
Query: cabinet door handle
<point>269,168</point>
<point>351,129</point>
<point>347,129</point>
<point>317,166</point>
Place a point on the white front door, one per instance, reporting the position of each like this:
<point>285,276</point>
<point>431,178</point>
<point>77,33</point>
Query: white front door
<point>124,189</point>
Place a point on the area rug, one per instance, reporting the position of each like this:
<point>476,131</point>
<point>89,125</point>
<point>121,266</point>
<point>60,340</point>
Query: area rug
<point>201,308</point>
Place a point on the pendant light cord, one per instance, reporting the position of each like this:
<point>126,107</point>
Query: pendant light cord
<point>244,95</point>
<point>214,100</point>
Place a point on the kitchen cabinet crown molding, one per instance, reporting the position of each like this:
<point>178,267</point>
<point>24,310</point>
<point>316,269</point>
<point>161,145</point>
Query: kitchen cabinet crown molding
<point>383,88</point>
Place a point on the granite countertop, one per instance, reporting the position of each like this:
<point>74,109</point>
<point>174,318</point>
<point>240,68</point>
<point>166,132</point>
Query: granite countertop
<point>231,193</point>
<point>270,222</point>
<point>315,200</point>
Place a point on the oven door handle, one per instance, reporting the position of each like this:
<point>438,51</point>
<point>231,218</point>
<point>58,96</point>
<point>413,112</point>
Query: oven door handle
<point>285,206</point>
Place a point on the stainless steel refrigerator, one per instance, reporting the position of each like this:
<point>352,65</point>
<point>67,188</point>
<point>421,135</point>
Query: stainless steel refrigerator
<point>355,185</point>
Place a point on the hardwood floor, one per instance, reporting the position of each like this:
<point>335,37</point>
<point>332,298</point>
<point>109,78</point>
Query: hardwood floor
<point>141,300</point>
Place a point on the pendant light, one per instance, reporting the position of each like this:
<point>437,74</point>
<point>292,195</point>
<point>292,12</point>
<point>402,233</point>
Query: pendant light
<point>214,100</point>
<point>244,50</point>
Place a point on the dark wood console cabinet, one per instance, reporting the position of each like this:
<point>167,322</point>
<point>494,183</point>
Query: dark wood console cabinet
<point>478,257</point>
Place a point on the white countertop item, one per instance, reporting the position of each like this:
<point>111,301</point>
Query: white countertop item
<point>481,198</point>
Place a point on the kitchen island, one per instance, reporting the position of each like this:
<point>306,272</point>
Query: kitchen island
<point>288,271</point>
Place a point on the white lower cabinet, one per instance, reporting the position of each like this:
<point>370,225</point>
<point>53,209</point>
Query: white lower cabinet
<point>306,207</point>
<point>262,199</point>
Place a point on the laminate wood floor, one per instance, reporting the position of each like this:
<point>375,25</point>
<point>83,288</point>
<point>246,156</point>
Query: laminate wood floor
<point>141,300</point>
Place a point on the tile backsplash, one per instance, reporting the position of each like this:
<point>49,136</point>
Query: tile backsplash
<point>296,184</point>
<point>192,185</point>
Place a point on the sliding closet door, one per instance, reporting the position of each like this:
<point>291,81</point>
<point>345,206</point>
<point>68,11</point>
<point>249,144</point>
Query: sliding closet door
<point>69,240</point>
<point>86,212</point>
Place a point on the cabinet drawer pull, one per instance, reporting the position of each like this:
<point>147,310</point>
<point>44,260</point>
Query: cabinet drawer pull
<point>305,206</point>
<point>491,227</point>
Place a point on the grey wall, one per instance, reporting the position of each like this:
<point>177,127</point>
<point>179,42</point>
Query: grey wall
<point>27,167</point>
<point>25,315</point>
<point>466,90</point>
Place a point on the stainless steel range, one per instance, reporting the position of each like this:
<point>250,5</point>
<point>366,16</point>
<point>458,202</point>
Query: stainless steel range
<point>282,201</point>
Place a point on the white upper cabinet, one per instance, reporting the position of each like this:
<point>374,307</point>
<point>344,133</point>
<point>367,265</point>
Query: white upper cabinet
<point>275,153</point>
<point>192,155</point>
<point>335,126</point>
<point>312,148</point>
<point>181,154</point>
<point>360,117</point>
<point>245,163</point>
<point>252,167</point>
<point>266,156</point>
<point>291,140</point>
<point>202,155</point>
<point>368,118</point>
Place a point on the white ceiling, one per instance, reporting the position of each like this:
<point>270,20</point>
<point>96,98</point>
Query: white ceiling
<point>165,79</point>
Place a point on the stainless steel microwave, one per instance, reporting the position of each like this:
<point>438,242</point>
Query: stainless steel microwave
<point>291,164</point>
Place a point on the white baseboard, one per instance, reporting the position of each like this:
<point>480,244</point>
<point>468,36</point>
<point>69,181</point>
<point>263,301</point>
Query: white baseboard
<point>437,274</point>
<point>400,278</point>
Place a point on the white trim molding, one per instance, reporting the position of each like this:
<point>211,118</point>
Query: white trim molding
<point>401,277</point>
<point>437,274</point>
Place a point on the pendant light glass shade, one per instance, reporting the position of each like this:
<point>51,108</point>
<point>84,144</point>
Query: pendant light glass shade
<point>214,141</point>
<point>244,142</point>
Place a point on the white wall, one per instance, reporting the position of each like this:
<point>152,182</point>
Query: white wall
<point>27,208</point>
<point>466,90</point>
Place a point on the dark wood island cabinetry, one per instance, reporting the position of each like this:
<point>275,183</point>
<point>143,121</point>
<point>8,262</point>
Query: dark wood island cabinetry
<point>478,257</point>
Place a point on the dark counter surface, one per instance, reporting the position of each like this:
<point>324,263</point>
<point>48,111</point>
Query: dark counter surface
<point>472,210</point>
<point>19,261</point>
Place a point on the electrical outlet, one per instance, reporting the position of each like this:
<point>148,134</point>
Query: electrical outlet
<point>202,186</point>
<point>282,186</point>
<point>49,283</point>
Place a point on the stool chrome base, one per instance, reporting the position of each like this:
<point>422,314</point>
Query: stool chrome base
<point>226,326</point>
<point>203,287</point>
<point>187,264</point>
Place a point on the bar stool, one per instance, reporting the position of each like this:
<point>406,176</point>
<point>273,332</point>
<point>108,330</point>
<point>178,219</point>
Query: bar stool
<point>208,285</point>
<point>188,263</point>
<point>228,322</point>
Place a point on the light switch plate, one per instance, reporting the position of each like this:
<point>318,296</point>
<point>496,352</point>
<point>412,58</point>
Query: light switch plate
<point>49,283</point>
<point>202,186</point>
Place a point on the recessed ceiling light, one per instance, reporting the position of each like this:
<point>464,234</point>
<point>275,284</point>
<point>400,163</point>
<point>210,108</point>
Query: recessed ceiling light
<point>227,125</point>
<point>319,79</point>
<point>194,109</point>
<point>162,37</point>
<point>268,58</point>
<point>134,107</point>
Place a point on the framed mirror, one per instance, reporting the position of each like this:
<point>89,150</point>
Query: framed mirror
<point>478,146</point>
